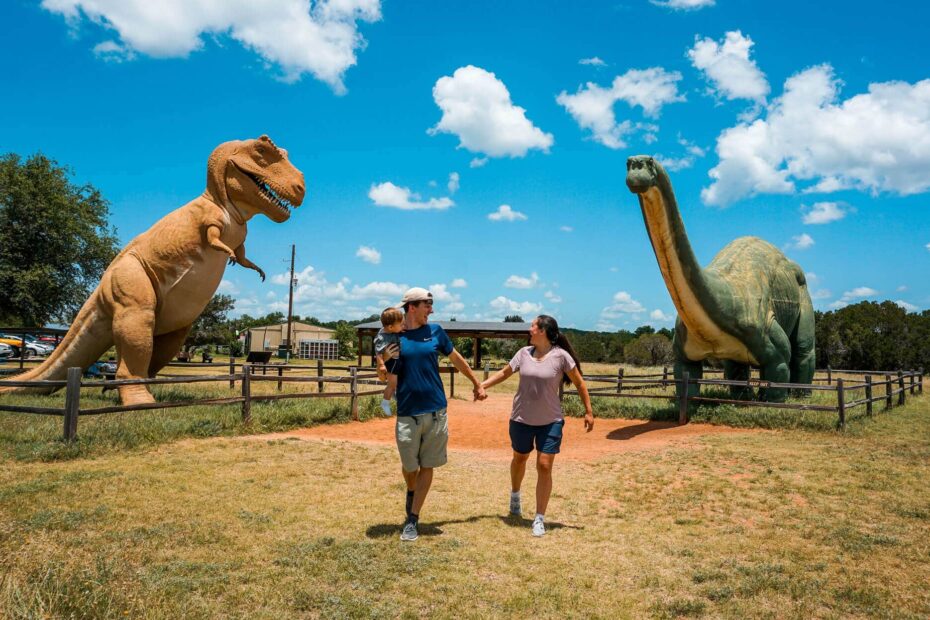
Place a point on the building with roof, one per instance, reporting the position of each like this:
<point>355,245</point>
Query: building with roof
<point>310,341</point>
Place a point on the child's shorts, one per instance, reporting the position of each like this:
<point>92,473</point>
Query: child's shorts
<point>392,365</point>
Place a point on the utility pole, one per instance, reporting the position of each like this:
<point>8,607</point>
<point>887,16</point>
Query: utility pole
<point>290,306</point>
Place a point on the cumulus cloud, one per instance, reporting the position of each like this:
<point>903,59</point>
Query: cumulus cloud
<point>683,5</point>
<point>227,287</point>
<point>478,162</point>
<point>296,37</point>
<point>505,214</point>
<point>821,294</point>
<point>623,305</point>
<point>661,317</point>
<point>592,106</point>
<point>823,213</point>
<point>594,62</point>
<point>369,255</point>
<point>521,282</point>
<point>453,182</point>
<point>476,107</point>
<point>459,283</point>
<point>505,305</point>
<point>907,307</point>
<point>860,292</point>
<point>551,296</point>
<point>927,246</point>
<point>877,141</point>
<point>728,68</point>
<point>566,229</point>
<point>389,195</point>
<point>800,242</point>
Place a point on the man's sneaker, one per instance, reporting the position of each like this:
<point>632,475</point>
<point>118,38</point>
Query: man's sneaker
<point>410,531</point>
<point>539,528</point>
<point>515,509</point>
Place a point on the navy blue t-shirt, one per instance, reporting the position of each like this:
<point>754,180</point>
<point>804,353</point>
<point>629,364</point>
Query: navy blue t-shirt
<point>419,387</point>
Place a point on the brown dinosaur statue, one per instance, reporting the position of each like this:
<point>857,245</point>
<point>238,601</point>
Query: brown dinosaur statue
<point>155,289</point>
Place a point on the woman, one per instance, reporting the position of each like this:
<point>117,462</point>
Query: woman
<point>537,412</point>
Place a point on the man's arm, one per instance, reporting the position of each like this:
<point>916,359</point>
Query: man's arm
<point>462,366</point>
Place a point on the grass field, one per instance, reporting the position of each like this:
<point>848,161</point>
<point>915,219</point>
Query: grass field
<point>175,514</point>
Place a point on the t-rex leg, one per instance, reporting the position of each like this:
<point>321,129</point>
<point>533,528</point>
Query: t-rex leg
<point>133,323</point>
<point>165,347</point>
<point>803,354</point>
<point>775,363</point>
<point>735,371</point>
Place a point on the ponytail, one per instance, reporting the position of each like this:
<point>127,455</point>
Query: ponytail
<point>557,338</point>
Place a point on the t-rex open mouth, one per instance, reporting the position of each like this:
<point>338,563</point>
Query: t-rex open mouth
<point>269,192</point>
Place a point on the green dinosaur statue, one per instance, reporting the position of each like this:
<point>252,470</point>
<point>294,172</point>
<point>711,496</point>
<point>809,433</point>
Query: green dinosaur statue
<point>749,307</point>
<point>158,285</point>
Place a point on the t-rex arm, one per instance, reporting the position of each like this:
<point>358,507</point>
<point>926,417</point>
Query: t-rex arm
<point>242,260</point>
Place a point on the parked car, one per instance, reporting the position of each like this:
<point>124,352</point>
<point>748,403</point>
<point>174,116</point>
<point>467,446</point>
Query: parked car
<point>33,346</point>
<point>6,351</point>
<point>101,370</point>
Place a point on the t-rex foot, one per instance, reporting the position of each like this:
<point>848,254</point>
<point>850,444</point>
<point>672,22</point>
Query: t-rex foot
<point>135,395</point>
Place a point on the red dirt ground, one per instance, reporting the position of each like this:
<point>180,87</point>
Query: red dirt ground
<point>483,427</point>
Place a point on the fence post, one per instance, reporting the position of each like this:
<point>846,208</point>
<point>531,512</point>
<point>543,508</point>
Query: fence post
<point>280,374</point>
<point>232,371</point>
<point>487,370</point>
<point>354,387</point>
<point>829,376</point>
<point>901,387</point>
<point>911,380</point>
<point>841,403</point>
<point>868,394</point>
<point>665,376</point>
<point>920,380</point>
<point>246,393</point>
<point>452,382</point>
<point>72,403</point>
<point>683,399</point>
<point>888,404</point>
<point>619,379</point>
<point>319,373</point>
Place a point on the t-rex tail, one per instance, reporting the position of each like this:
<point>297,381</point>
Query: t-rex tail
<point>90,335</point>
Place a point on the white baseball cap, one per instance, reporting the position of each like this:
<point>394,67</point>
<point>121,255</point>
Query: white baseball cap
<point>415,294</point>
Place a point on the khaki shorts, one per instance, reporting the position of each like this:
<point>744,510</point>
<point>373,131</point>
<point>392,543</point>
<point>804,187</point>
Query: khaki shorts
<point>422,440</point>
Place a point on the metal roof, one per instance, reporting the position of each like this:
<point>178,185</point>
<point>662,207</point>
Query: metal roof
<point>465,328</point>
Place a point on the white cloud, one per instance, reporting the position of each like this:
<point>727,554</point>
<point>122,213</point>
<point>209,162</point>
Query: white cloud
<point>683,5</point>
<point>478,162</point>
<point>441,293</point>
<point>567,229</point>
<point>227,287</point>
<point>623,304</point>
<point>592,106</point>
<point>508,306</point>
<point>389,195</point>
<point>860,292</point>
<point>908,307</point>
<point>876,141</point>
<point>476,107</point>
<point>551,296</point>
<point>111,51</point>
<point>505,214</point>
<point>292,35</point>
<point>453,182</point>
<point>728,68</point>
<point>821,294</point>
<point>455,306</point>
<point>824,213</point>
<point>901,288</point>
<point>927,246</point>
<point>593,61</point>
<point>459,283</point>
<point>800,242</point>
<point>369,255</point>
<point>521,282</point>
<point>658,315</point>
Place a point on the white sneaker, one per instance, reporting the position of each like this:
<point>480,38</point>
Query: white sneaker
<point>515,509</point>
<point>539,528</point>
<point>386,407</point>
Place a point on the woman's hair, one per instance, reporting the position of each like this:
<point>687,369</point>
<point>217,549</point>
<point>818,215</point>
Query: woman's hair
<point>551,328</point>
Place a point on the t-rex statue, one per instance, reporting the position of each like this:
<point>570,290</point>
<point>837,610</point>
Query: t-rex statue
<point>158,285</point>
<point>749,307</point>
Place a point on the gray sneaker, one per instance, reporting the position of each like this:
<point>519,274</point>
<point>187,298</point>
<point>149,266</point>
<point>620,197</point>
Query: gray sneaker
<point>515,509</point>
<point>410,532</point>
<point>539,528</point>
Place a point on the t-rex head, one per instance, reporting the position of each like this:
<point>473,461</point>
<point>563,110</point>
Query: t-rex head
<point>642,172</point>
<point>256,177</point>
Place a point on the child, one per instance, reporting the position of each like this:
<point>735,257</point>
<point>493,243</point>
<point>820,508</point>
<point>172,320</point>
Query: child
<point>392,321</point>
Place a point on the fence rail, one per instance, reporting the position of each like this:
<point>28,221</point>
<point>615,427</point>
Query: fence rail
<point>870,383</point>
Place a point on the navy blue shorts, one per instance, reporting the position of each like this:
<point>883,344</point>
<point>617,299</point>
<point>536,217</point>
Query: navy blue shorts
<point>548,437</point>
<point>392,365</point>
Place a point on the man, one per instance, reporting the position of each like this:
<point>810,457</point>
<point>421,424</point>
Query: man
<point>422,429</point>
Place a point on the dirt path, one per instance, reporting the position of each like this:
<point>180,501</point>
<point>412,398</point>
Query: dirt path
<point>483,427</point>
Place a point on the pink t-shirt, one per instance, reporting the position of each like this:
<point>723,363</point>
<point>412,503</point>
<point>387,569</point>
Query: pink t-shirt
<point>537,399</point>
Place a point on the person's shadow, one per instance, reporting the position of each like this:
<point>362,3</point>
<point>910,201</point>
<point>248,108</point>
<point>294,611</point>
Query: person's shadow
<point>629,432</point>
<point>387,530</point>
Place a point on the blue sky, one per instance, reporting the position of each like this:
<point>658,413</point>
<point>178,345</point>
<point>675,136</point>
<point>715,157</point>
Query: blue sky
<point>479,148</point>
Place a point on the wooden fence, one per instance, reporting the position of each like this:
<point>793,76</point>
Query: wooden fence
<point>874,387</point>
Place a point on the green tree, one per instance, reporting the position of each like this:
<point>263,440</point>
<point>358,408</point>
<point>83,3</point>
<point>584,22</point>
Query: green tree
<point>513,318</point>
<point>212,326</point>
<point>649,350</point>
<point>55,241</point>
<point>345,334</point>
